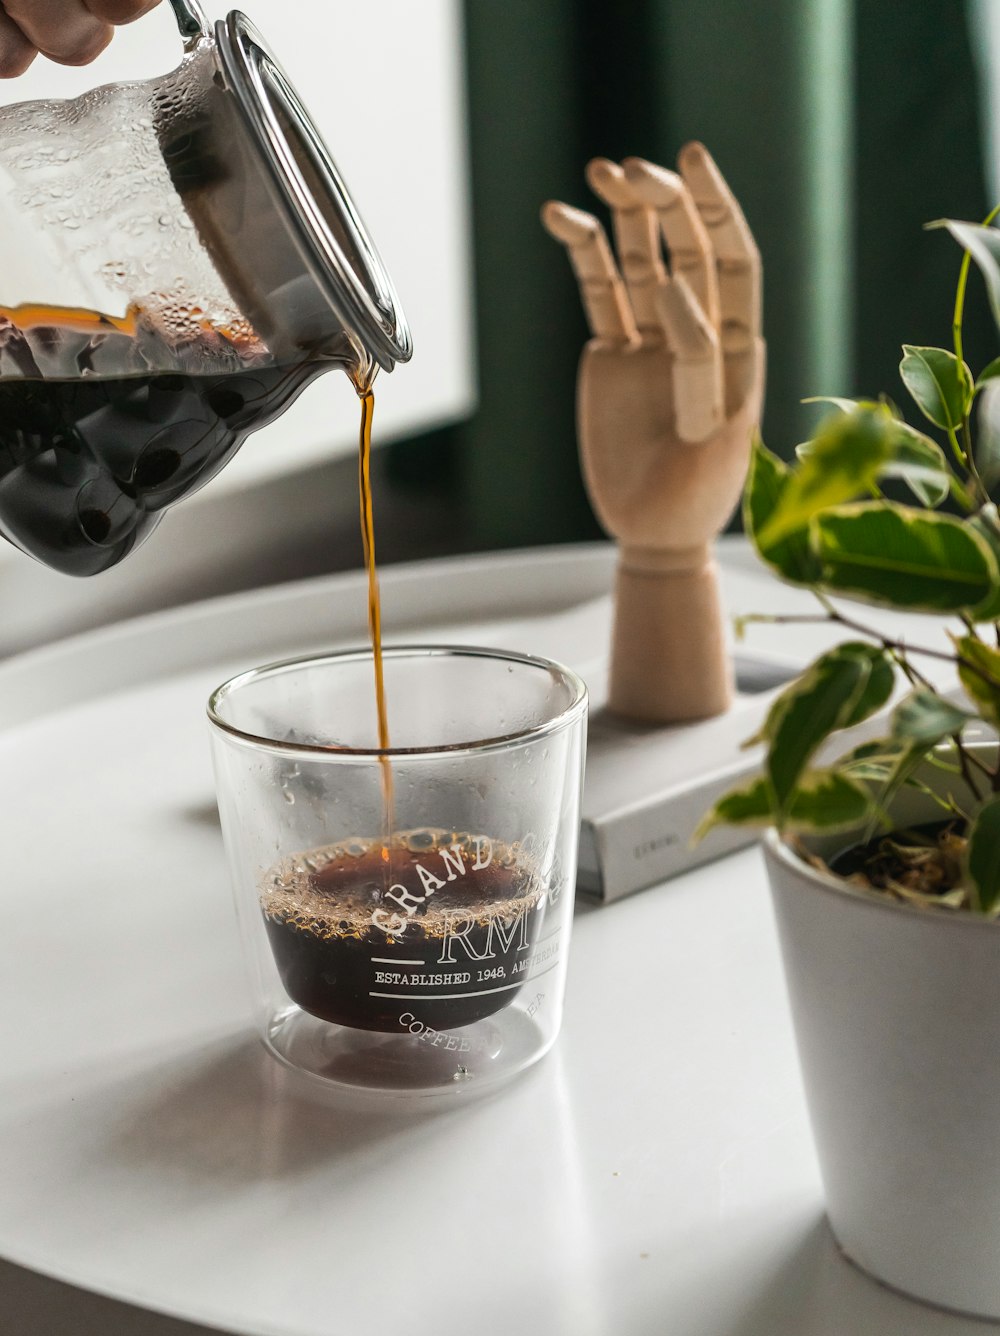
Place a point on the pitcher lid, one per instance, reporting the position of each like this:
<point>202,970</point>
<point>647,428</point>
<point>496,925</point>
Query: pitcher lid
<point>318,209</point>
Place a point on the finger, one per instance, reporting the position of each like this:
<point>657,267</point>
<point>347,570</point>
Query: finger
<point>636,239</point>
<point>739,269</point>
<point>16,52</point>
<point>697,361</point>
<point>63,30</point>
<point>691,254</point>
<point>120,12</point>
<point>601,287</point>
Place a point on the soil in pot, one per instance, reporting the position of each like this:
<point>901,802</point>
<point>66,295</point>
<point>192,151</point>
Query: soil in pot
<point>920,865</point>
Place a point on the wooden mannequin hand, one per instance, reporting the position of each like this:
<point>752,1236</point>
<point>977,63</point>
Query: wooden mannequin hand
<point>670,385</point>
<point>669,395</point>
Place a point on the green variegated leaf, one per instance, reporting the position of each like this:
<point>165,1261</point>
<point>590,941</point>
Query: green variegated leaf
<point>888,762</point>
<point>824,801</point>
<point>924,719</point>
<point>986,523</point>
<point>845,405</point>
<point>915,458</point>
<point>878,688</point>
<point>983,244</point>
<point>871,761</point>
<point>941,385</point>
<point>827,800</point>
<point>841,688</point>
<point>866,751</point>
<point>988,434</point>
<point>982,861</point>
<point>847,455</point>
<point>979,673</point>
<point>903,558</point>
<point>989,372</point>
<point>876,770</point>
<point>749,806</point>
<point>920,463</point>
<point>907,762</point>
<point>766,486</point>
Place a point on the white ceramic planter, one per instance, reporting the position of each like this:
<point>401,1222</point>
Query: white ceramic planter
<point>897,1018</point>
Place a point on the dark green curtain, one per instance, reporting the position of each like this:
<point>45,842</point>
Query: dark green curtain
<point>919,157</point>
<point>842,125</point>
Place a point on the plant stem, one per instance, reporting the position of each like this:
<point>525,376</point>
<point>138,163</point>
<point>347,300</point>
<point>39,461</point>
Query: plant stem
<point>913,675</point>
<point>963,760</point>
<point>957,317</point>
<point>981,490</point>
<point>834,615</point>
<point>956,449</point>
<point>967,447</point>
<point>961,495</point>
<point>966,460</point>
<point>963,281</point>
<point>966,759</point>
<point>957,321</point>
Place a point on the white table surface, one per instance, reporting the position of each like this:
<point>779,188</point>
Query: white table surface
<point>653,1174</point>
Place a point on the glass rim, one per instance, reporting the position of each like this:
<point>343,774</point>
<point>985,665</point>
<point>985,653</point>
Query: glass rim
<point>568,715</point>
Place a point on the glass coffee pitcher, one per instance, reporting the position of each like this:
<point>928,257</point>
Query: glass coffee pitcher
<point>186,259</point>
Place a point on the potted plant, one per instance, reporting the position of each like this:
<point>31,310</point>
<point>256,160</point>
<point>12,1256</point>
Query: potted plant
<point>885,862</point>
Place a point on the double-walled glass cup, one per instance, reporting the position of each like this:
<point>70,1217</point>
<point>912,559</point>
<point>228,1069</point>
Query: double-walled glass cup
<point>406,914</point>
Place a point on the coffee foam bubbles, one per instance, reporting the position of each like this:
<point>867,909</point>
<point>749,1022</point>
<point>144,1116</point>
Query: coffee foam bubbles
<point>333,891</point>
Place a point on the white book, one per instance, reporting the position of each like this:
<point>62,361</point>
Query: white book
<point>647,788</point>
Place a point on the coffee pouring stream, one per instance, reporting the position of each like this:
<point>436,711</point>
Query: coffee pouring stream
<point>189,260</point>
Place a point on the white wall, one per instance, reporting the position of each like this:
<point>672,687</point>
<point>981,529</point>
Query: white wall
<point>384,81</point>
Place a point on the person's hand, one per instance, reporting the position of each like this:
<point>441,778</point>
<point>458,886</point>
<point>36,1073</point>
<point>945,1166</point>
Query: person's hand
<point>669,395</point>
<point>70,32</point>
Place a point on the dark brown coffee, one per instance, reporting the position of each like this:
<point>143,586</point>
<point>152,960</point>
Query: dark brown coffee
<point>440,934</point>
<point>89,461</point>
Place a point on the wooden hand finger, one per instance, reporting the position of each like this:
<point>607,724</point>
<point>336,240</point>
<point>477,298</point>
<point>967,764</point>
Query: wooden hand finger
<point>601,287</point>
<point>691,254</point>
<point>739,269</point>
<point>697,362</point>
<point>743,375</point>
<point>636,239</point>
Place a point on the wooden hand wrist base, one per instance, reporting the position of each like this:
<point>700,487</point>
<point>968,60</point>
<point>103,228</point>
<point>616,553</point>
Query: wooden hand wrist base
<point>669,662</point>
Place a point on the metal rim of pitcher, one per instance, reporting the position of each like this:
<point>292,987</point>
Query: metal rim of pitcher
<point>257,80</point>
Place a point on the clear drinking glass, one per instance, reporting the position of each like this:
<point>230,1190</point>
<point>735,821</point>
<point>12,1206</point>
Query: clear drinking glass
<point>406,915</point>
